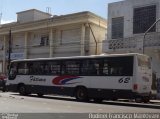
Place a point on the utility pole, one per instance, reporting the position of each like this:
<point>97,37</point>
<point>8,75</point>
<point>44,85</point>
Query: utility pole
<point>9,48</point>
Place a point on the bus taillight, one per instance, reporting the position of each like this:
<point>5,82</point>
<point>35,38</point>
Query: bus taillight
<point>135,86</point>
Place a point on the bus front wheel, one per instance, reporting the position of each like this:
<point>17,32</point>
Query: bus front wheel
<point>22,90</point>
<point>81,94</point>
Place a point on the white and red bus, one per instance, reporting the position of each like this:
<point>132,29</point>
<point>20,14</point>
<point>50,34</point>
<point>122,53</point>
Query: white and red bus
<point>127,76</point>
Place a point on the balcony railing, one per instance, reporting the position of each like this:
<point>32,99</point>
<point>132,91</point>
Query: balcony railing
<point>122,43</point>
<point>151,40</point>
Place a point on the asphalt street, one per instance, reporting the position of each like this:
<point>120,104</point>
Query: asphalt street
<point>14,103</point>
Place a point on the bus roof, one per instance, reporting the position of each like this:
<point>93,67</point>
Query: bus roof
<point>81,57</point>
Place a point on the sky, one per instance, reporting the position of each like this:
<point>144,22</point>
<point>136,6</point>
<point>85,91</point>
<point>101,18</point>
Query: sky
<point>9,8</point>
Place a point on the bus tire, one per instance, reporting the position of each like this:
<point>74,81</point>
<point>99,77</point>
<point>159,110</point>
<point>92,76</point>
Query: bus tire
<point>40,94</point>
<point>138,100</point>
<point>4,89</point>
<point>98,100</point>
<point>22,89</point>
<point>145,99</point>
<point>81,94</point>
<point>114,99</point>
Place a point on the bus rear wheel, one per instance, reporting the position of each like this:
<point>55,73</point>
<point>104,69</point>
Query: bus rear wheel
<point>146,99</point>
<point>81,94</point>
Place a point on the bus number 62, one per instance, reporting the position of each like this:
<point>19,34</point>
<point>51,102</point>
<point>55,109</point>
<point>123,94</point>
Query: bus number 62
<point>124,80</point>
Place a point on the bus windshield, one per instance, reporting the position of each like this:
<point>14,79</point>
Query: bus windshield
<point>144,62</point>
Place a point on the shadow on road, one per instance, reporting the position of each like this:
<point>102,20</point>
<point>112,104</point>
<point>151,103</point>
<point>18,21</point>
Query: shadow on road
<point>105,102</point>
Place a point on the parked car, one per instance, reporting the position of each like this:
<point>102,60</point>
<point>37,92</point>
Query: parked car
<point>3,82</point>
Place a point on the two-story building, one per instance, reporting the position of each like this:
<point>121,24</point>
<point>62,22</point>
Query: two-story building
<point>37,34</point>
<point>128,31</point>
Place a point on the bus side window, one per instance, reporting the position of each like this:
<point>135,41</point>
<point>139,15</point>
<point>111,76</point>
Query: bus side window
<point>23,68</point>
<point>47,69</point>
<point>30,65</point>
<point>116,71</point>
<point>72,67</point>
<point>63,68</point>
<point>90,67</point>
<point>36,68</point>
<point>84,67</point>
<point>105,68</point>
<point>54,68</point>
<point>33,68</point>
<point>120,66</point>
<point>94,67</point>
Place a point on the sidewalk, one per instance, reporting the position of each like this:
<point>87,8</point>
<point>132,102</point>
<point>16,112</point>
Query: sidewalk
<point>155,101</point>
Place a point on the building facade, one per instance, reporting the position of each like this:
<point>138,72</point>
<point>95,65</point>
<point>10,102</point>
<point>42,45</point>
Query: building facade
<point>38,34</point>
<point>134,26</point>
